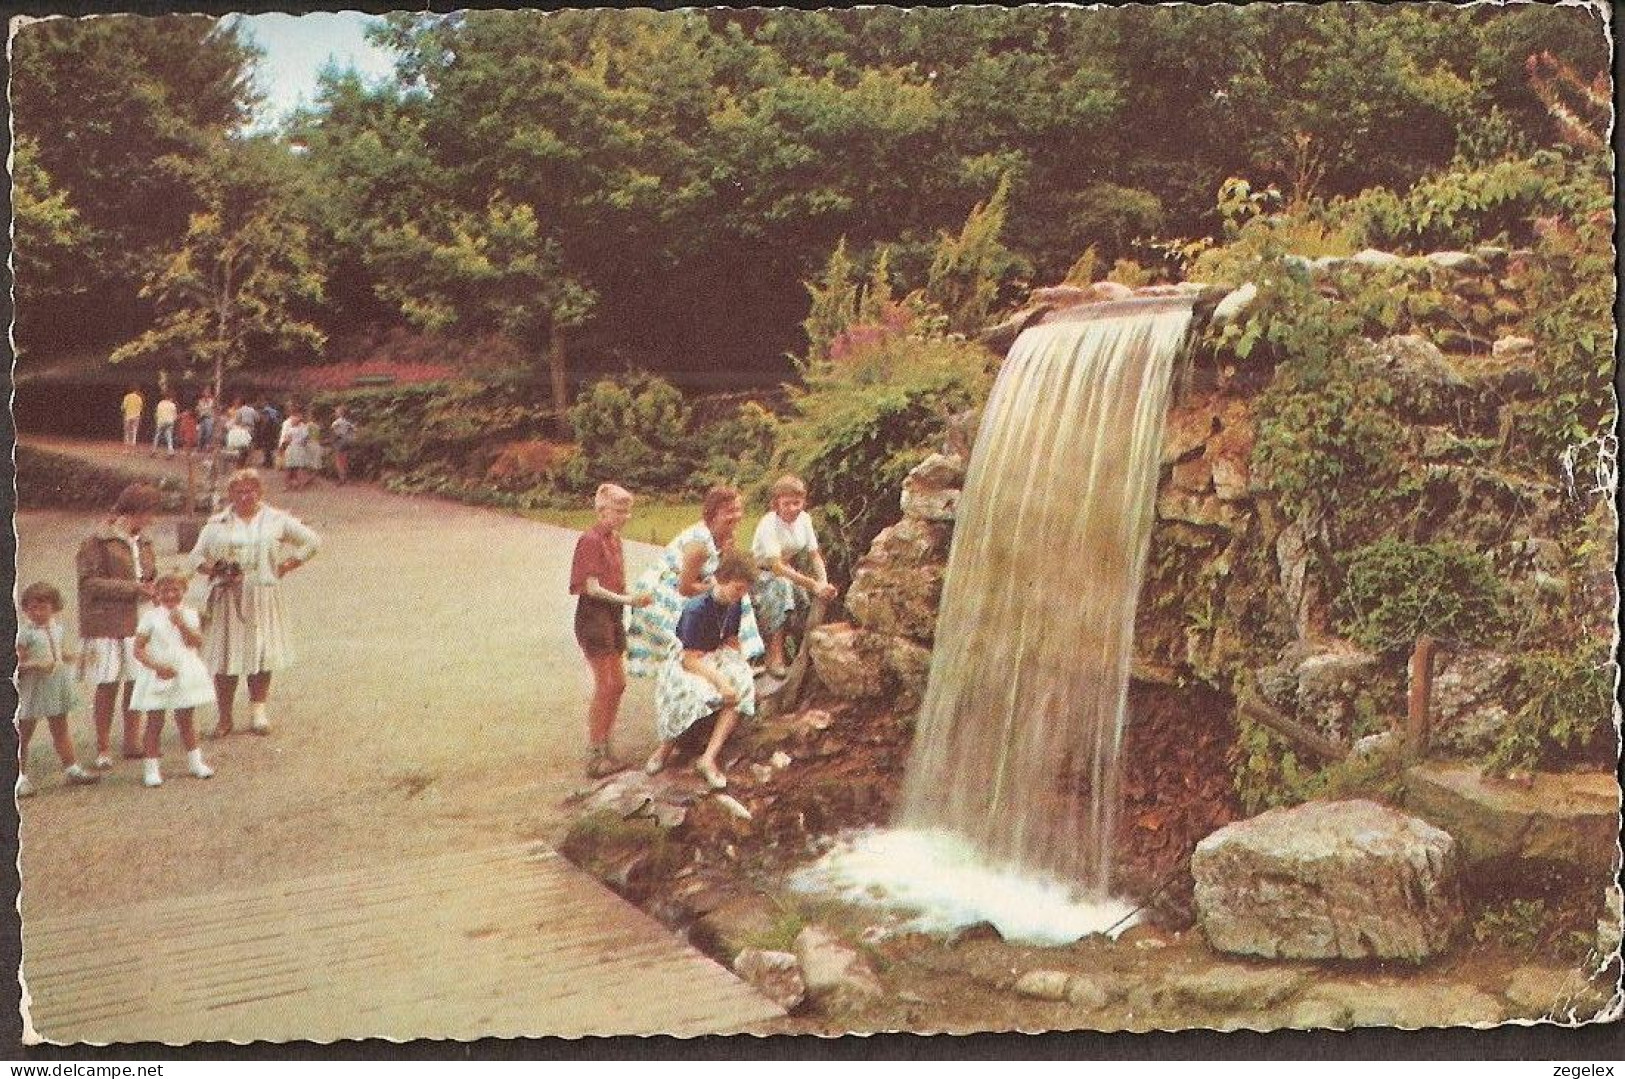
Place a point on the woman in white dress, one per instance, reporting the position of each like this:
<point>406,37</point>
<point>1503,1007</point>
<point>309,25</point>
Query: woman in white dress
<point>301,454</point>
<point>245,550</point>
<point>171,676</point>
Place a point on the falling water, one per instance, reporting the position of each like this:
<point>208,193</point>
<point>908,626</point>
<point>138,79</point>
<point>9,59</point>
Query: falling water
<point>1016,748</point>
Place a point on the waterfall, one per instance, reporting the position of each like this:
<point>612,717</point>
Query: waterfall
<point>1014,772</point>
<point>1016,746</point>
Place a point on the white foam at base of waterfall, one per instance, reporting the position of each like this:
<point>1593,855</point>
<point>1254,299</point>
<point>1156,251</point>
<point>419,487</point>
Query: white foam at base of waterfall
<point>938,883</point>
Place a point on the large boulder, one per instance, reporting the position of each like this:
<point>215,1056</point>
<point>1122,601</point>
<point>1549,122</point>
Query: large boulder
<point>1423,380</point>
<point>1328,880</point>
<point>847,660</point>
<point>1570,818</point>
<point>776,975</point>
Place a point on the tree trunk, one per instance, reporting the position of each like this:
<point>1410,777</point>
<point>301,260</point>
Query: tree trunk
<point>558,375</point>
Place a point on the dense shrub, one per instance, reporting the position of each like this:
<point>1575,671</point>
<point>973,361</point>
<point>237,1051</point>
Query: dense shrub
<point>1395,592</point>
<point>47,480</point>
<point>1566,711</point>
<point>864,420</point>
<point>635,432</point>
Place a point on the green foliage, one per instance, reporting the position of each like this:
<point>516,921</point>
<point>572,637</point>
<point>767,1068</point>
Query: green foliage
<point>1567,706</point>
<point>1519,925</point>
<point>1395,592</point>
<point>739,451</point>
<point>434,429</point>
<point>1267,773</point>
<point>245,277</point>
<point>635,432</point>
<point>106,107</point>
<point>967,270</point>
<point>863,421</point>
<point>47,480</point>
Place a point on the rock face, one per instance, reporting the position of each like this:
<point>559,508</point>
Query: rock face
<point>1328,880</point>
<point>836,976</point>
<point>1468,705</point>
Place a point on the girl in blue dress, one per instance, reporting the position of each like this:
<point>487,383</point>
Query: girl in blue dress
<point>708,672</point>
<point>45,685</point>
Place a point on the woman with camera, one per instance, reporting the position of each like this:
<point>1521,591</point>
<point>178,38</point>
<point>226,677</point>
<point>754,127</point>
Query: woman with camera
<point>245,550</point>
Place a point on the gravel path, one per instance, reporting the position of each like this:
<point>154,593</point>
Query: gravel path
<point>438,703</point>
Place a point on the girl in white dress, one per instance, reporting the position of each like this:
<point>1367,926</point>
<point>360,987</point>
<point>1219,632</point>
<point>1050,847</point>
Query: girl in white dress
<point>170,676</point>
<point>784,537</point>
<point>244,551</point>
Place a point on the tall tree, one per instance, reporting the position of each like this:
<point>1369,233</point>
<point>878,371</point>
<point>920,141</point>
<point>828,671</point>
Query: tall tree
<point>244,278</point>
<point>107,102</point>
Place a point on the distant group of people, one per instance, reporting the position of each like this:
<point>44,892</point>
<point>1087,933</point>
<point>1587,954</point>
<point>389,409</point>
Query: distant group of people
<point>139,641</point>
<point>246,434</point>
<point>697,618</point>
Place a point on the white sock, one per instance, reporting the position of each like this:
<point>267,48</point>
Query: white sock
<point>149,772</point>
<point>259,713</point>
<point>194,764</point>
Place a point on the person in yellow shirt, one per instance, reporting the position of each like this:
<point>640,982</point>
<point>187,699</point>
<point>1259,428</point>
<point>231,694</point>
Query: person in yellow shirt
<point>132,407</point>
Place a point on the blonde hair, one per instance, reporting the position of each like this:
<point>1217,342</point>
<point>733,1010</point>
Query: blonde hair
<point>245,475</point>
<point>609,496</point>
<point>786,486</point>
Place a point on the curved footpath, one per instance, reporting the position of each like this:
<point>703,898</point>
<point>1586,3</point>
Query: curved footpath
<point>437,708</point>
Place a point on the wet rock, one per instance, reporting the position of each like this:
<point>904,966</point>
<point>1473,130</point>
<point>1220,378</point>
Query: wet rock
<point>836,976</point>
<point>1409,1005</point>
<point>1513,347</point>
<point>1420,374</point>
<point>1316,1013</point>
<point>1042,984</point>
<point>929,505</point>
<point>1194,476</point>
<point>1235,303</point>
<point>1553,992</point>
<point>1233,987</point>
<point>977,932</point>
<point>1570,817</point>
<point>1328,880</point>
<point>911,541</point>
<point>909,667</point>
<point>1372,258</point>
<point>960,437</point>
<point>775,975</point>
<point>937,472</point>
<point>1467,706</point>
<point>999,338</point>
<point>846,660</point>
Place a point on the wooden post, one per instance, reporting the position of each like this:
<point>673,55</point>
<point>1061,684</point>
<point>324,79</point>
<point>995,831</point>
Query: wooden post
<point>1417,732</point>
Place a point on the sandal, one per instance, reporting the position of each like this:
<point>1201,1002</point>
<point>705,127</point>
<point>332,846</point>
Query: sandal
<point>713,778</point>
<point>601,763</point>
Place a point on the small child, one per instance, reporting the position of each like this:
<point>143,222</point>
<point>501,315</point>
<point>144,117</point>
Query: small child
<point>171,675</point>
<point>598,578</point>
<point>341,432</point>
<point>45,685</point>
<point>707,672</point>
<point>783,537</point>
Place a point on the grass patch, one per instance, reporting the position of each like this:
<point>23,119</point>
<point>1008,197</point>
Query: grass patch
<point>653,521</point>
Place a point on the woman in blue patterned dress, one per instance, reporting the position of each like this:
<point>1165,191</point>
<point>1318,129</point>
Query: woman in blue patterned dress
<point>685,570</point>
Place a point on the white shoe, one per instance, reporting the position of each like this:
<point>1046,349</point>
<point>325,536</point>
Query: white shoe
<point>25,787</point>
<point>78,777</point>
<point>200,770</point>
<point>104,761</point>
<point>260,725</point>
<point>151,776</point>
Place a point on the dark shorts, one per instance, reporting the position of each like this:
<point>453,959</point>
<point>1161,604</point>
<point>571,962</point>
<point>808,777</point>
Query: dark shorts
<point>600,630</point>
